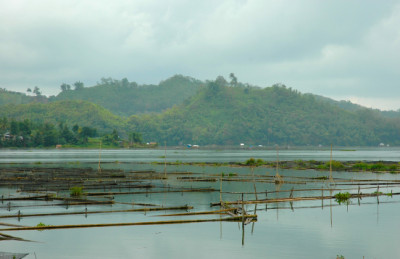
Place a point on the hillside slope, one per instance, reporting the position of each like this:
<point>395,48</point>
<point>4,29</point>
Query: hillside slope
<point>69,112</point>
<point>219,114</point>
<point>11,97</point>
<point>125,98</point>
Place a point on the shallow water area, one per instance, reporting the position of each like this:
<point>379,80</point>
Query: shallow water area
<point>301,229</point>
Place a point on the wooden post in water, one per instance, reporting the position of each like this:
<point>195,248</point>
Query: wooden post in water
<point>165,159</point>
<point>278,178</point>
<point>330,200</point>
<point>243,221</point>
<point>330,167</point>
<point>99,167</point>
<point>377,194</point>
<point>220,190</point>
<point>254,182</point>
<point>322,200</point>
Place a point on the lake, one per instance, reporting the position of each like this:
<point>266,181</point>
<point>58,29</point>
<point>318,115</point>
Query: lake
<point>303,229</point>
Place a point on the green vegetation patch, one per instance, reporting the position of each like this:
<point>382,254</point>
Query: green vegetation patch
<point>76,191</point>
<point>253,162</point>
<point>343,197</point>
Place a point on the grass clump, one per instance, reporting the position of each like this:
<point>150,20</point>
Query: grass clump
<point>228,174</point>
<point>300,163</point>
<point>342,197</point>
<point>76,191</point>
<point>41,225</point>
<point>254,162</point>
<point>361,166</point>
<point>250,162</point>
<point>378,167</point>
<point>336,165</point>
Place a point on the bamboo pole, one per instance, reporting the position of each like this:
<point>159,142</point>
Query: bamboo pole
<point>164,191</point>
<point>223,211</point>
<point>235,219</point>
<point>96,212</point>
<point>277,200</point>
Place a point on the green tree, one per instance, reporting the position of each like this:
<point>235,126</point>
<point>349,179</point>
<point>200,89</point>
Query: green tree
<point>65,87</point>
<point>25,127</point>
<point>37,91</point>
<point>3,124</point>
<point>49,135</point>
<point>135,137</point>
<point>67,135</point>
<point>78,85</point>
<point>14,129</point>
<point>75,128</point>
<point>114,135</point>
<point>124,82</point>
<point>233,78</point>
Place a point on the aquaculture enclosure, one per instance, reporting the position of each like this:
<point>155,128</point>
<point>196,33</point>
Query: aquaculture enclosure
<point>175,208</point>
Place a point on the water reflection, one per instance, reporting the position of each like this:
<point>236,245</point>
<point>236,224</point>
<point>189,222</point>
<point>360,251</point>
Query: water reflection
<point>185,155</point>
<point>296,224</point>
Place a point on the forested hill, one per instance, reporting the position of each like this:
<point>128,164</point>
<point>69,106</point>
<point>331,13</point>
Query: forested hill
<point>127,98</point>
<point>67,112</point>
<point>10,97</point>
<point>219,114</point>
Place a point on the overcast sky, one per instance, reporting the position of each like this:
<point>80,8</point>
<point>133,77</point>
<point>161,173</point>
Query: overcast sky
<point>341,49</point>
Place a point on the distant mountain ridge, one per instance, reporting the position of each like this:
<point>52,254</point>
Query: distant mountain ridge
<point>127,98</point>
<point>11,97</point>
<point>212,112</point>
<point>225,115</point>
<point>69,112</point>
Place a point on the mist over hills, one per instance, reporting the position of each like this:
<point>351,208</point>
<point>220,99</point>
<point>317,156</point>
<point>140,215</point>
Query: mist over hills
<point>69,112</point>
<point>127,98</point>
<point>225,115</point>
<point>184,110</point>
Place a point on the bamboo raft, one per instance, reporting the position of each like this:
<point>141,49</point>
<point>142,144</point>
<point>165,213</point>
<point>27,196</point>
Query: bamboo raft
<point>42,180</point>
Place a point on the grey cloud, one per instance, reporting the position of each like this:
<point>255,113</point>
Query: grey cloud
<point>334,48</point>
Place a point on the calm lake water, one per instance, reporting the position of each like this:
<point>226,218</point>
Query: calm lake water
<point>308,230</point>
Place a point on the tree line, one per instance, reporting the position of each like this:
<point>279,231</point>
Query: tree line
<point>26,133</point>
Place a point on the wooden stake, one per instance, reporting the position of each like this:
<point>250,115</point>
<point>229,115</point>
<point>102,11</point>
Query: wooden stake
<point>165,159</point>
<point>243,215</point>
<point>99,167</point>
<point>220,189</point>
